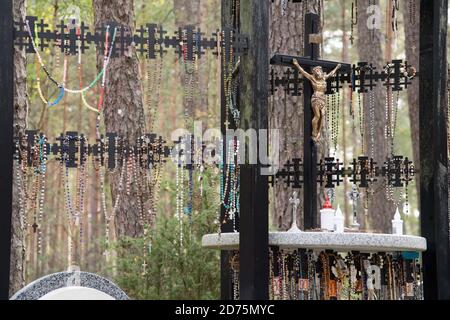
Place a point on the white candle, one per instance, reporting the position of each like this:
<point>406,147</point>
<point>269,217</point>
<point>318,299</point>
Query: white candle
<point>339,220</point>
<point>397,224</point>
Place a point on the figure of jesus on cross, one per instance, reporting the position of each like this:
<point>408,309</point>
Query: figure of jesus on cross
<point>318,80</point>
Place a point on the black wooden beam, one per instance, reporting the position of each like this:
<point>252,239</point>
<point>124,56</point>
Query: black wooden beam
<point>287,61</point>
<point>6,141</point>
<point>253,101</point>
<point>309,148</point>
<point>433,148</point>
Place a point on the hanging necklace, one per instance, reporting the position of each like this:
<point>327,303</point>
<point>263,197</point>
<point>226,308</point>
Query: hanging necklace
<point>41,95</point>
<point>388,125</point>
<point>32,199</point>
<point>22,181</point>
<point>225,181</point>
<point>36,197</point>
<point>153,75</point>
<point>372,123</point>
<point>71,214</point>
<point>391,113</point>
<point>337,122</point>
<point>106,60</point>
<point>42,172</point>
<point>448,131</point>
<point>395,8</point>
<point>283,7</point>
<point>335,119</point>
<point>271,275</point>
<point>302,24</point>
<point>61,87</point>
<point>42,65</point>
<point>179,181</point>
<point>190,83</point>
<point>229,69</point>
<point>361,106</point>
<point>354,20</point>
<point>157,170</point>
<point>228,83</point>
<point>75,210</point>
<point>109,217</point>
<point>234,264</point>
<point>412,11</point>
<point>329,116</point>
<point>190,75</point>
<point>230,184</point>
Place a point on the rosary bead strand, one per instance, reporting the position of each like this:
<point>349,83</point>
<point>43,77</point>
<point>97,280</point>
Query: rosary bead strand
<point>62,88</point>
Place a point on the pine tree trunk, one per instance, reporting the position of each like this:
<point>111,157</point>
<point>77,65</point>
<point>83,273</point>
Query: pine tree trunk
<point>344,110</point>
<point>123,109</point>
<point>370,50</point>
<point>285,37</point>
<point>17,275</point>
<point>412,27</point>
<point>287,111</point>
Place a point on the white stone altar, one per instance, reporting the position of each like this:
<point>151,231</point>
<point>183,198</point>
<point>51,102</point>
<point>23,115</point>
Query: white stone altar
<point>341,242</point>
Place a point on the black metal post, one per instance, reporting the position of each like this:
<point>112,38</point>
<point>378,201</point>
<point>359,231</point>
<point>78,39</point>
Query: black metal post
<point>6,141</point>
<point>253,102</point>
<point>309,147</point>
<point>433,148</point>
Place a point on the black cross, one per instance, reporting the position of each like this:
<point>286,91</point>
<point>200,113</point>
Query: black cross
<point>35,227</point>
<point>310,60</point>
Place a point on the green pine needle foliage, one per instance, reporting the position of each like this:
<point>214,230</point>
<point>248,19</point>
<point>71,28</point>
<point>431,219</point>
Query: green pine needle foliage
<point>174,271</point>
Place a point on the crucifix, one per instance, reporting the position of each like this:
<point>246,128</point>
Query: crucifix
<point>295,201</point>
<point>318,81</point>
<point>354,196</point>
<point>308,63</point>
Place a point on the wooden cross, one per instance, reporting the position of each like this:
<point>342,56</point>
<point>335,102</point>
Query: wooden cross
<point>310,60</point>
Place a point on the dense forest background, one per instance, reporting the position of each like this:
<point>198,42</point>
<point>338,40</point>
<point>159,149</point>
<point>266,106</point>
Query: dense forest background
<point>188,271</point>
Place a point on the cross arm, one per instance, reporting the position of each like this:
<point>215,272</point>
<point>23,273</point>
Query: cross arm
<point>287,61</point>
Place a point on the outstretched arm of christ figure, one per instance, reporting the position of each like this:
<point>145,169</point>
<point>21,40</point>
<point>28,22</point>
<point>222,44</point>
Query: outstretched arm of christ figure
<point>333,73</point>
<point>301,70</point>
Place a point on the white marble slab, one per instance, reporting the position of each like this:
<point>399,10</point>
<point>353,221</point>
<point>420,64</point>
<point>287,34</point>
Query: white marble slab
<point>76,293</point>
<point>48,284</point>
<point>364,242</point>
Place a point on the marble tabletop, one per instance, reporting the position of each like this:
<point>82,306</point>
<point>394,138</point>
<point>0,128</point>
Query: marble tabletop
<point>52,282</point>
<point>348,241</point>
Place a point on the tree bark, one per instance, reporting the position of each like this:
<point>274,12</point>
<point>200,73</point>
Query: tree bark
<point>287,111</point>
<point>344,103</point>
<point>123,92</point>
<point>17,276</point>
<point>412,28</point>
<point>370,50</point>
